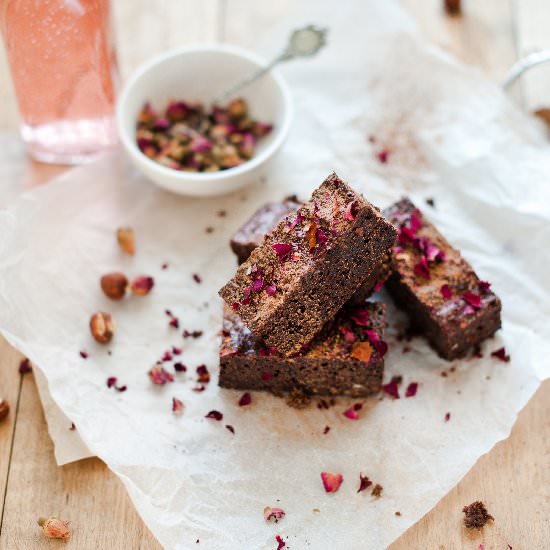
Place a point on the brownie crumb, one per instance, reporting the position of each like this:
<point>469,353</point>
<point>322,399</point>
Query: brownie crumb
<point>452,7</point>
<point>476,515</point>
<point>297,399</point>
<point>430,202</point>
<point>209,229</point>
<point>377,490</point>
<point>222,213</point>
<point>397,513</point>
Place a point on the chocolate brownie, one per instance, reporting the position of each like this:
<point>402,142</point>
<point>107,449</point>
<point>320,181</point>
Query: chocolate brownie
<point>309,266</point>
<point>437,286</point>
<point>345,358</point>
<point>252,233</point>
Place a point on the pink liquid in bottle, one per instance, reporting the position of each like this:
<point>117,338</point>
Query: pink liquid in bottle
<point>64,70</point>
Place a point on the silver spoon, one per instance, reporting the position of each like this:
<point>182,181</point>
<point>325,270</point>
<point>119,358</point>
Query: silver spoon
<point>304,42</point>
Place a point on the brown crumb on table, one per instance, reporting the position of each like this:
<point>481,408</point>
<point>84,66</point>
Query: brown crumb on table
<point>298,399</point>
<point>476,515</point>
<point>209,229</point>
<point>222,213</point>
<point>397,513</point>
<point>544,115</point>
<point>430,202</point>
<point>452,7</point>
<point>377,490</point>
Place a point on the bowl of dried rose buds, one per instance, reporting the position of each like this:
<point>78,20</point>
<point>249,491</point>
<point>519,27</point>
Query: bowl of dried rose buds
<point>185,143</point>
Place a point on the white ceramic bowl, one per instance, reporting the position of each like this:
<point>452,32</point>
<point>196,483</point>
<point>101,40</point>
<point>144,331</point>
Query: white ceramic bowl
<point>200,73</point>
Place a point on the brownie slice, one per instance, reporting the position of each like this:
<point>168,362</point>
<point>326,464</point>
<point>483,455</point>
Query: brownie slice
<point>345,358</point>
<point>309,266</point>
<point>252,233</point>
<point>437,286</point>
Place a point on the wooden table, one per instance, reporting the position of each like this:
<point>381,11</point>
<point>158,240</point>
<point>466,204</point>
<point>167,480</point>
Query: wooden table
<point>513,479</point>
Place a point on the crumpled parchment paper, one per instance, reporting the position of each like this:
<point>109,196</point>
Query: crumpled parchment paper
<point>451,136</point>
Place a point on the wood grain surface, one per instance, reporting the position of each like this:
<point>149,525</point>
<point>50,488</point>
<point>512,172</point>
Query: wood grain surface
<point>513,479</point>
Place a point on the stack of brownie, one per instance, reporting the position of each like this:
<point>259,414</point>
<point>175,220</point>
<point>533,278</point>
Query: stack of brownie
<point>296,316</point>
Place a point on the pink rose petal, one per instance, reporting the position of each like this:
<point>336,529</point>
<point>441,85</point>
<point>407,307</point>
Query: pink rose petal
<point>214,415</point>
<point>422,269</point>
<point>364,483</point>
<point>473,299</point>
<point>411,389</point>
<point>282,250</point>
<point>177,406</point>
<point>361,317</point>
<point>331,482</point>
<point>446,291</point>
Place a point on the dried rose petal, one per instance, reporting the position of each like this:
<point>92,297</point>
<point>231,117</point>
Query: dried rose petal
<point>391,388</point>
<point>280,542</point>
<point>351,413</point>
<point>381,347</point>
<point>273,513</point>
<point>142,285</point>
<point>422,269</point>
<point>54,528</point>
<point>258,284</point>
<point>83,354</point>
<point>192,334</point>
<point>271,290</point>
<point>326,430</point>
<point>484,286</point>
<point>177,406</point>
<point>351,211</point>
<point>200,145</point>
<point>174,322</point>
<point>360,317</point>
<point>379,284</point>
<point>321,237</point>
<point>501,355</point>
<point>331,482</point>
<point>25,366</point>
<point>362,351</point>
<point>203,374</point>
<point>111,381</point>
<point>230,428</point>
<point>166,357</point>
<point>282,250</point>
<point>447,416</point>
<point>383,156</point>
<point>214,415</point>
<point>245,399</point>
<point>199,388</point>
<point>159,376</point>
<point>411,389</point>
<point>267,375</point>
<point>473,299</point>
<point>446,291</point>
<point>180,367</point>
<point>348,334</point>
<point>176,350</point>
<point>364,483</point>
<point>197,278</point>
<point>121,388</point>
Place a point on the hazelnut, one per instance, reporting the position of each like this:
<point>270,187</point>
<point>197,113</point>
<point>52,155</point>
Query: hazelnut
<point>126,240</point>
<point>4,409</point>
<point>102,327</point>
<point>142,285</point>
<point>114,285</point>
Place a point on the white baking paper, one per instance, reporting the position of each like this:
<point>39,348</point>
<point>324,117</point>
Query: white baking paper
<point>453,137</point>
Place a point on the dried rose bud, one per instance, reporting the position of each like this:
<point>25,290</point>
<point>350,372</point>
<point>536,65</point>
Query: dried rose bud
<point>237,108</point>
<point>273,513</point>
<point>114,285</point>
<point>4,409</point>
<point>142,285</point>
<point>54,528</point>
<point>126,240</point>
<point>102,327</point>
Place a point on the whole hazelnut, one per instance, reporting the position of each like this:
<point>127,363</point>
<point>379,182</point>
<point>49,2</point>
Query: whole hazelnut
<point>4,409</point>
<point>114,285</point>
<point>102,327</point>
<point>126,240</point>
